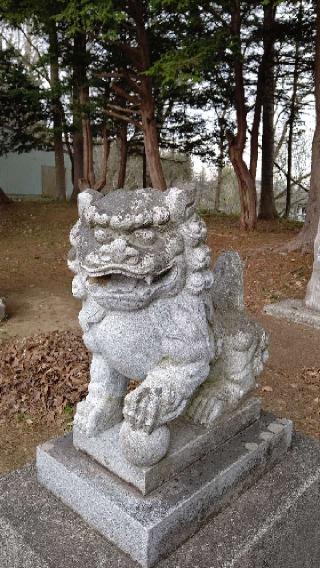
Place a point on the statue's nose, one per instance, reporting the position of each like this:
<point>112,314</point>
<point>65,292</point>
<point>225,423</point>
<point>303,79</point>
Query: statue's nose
<point>119,245</point>
<point>121,251</point>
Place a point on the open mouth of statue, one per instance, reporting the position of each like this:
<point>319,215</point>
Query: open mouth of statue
<point>121,281</point>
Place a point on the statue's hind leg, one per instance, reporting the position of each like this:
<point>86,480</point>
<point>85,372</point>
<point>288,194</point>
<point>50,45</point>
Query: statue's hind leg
<point>102,408</point>
<point>233,375</point>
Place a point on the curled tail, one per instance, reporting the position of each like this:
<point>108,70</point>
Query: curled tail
<point>241,345</point>
<point>227,287</point>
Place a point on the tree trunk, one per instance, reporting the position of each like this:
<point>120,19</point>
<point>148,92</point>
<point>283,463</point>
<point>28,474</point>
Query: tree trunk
<point>144,168</point>
<point>55,108</point>
<point>254,143</point>
<point>247,189</point>
<point>89,179</point>
<point>306,237</point>
<point>289,169</point>
<point>146,181</point>
<point>291,121</point>
<point>267,202</point>
<point>123,156</point>
<point>246,182</point>
<point>150,131</point>
<point>221,122</point>
<point>4,199</point>
<point>78,81</point>
<point>151,144</point>
<point>217,196</point>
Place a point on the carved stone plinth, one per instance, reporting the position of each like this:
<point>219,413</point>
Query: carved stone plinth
<point>305,311</point>
<point>294,310</point>
<point>150,527</point>
<point>189,442</point>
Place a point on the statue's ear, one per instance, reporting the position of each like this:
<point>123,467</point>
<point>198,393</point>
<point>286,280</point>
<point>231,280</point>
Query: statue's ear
<point>190,190</point>
<point>181,202</point>
<point>86,199</point>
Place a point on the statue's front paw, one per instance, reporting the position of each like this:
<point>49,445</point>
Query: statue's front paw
<point>93,417</point>
<point>142,407</point>
<point>150,406</point>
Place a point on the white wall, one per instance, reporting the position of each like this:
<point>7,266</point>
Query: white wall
<point>20,174</point>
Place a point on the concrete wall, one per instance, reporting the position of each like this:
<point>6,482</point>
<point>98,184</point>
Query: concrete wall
<point>23,174</point>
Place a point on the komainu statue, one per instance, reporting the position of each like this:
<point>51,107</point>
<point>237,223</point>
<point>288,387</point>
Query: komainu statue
<point>154,311</point>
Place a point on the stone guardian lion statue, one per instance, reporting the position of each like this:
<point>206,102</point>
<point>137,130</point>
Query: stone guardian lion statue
<point>154,311</point>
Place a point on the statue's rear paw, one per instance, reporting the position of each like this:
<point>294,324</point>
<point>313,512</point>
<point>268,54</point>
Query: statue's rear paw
<point>204,410</point>
<point>210,403</point>
<point>93,417</point>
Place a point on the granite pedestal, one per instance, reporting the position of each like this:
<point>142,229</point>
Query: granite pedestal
<point>273,524</point>
<point>294,310</point>
<point>150,527</point>
<point>188,443</point>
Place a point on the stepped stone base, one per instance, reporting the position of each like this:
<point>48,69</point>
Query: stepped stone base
<point>294,310</point>
<point>150,527</point>
<point>188,443</point>
<point>273,524</point>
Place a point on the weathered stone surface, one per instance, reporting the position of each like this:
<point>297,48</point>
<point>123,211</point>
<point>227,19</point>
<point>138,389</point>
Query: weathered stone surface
<point>189,442</point>
<point>312,299</point>
<point>274,524</point>
<point>150,527</point>
<point>294,310</point>
<point>305,311</point>
<point>154,311</point>
<point>2,309</point>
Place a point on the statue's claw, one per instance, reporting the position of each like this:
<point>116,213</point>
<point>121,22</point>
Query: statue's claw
<point>142,407</point>
<point>150,406</point>
<point>211,401</point>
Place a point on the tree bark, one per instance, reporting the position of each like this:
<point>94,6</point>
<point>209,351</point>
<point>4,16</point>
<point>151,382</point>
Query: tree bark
<point>221,122</point>
<point>89,179</point>
<point>55,108</point>
<point>291,121</point>
<point>4,199</point>
<point>246,183</point>
<point>146,180</point>
<point>122,136</point>
<point>306,237</point>
<point>217,196</point>
<point>147,107</point>
<point>254,141</point>
<point>267,208</point>
<point>78,82</point>
<point>289,168</point>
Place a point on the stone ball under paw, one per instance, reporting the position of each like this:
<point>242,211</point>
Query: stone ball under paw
<point>142,449</point>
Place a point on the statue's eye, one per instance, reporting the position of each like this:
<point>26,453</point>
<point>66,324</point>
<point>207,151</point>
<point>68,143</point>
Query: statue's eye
<point>145,235</point>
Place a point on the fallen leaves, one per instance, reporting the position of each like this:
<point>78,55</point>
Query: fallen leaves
<point>293,394</point>
<point>42,376</point>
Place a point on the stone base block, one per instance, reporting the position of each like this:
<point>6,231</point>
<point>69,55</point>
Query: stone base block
<point>294,310</point>
<point>273,524</point>
<point>148,528</point>
<point>188,443</point>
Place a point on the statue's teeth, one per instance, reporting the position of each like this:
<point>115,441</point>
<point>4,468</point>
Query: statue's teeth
<point>148,279</point>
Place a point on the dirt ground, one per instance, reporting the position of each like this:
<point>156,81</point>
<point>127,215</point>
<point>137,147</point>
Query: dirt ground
<point>35,282</point>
